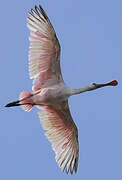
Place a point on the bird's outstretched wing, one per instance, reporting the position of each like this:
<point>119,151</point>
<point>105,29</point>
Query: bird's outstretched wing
<point>63,135</point>
<point>44,54</point>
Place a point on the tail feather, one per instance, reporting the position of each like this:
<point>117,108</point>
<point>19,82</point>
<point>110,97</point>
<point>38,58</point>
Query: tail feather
<point>26,101</point>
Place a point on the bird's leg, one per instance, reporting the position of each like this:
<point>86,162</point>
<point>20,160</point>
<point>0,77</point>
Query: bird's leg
<point>14,103</point>
<point>18,102</point>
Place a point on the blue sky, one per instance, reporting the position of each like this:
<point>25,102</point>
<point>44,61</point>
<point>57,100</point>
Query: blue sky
<point>90,34</point>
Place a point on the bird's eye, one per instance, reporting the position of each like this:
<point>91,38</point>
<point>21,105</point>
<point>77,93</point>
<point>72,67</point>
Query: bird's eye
<point>94,84</point>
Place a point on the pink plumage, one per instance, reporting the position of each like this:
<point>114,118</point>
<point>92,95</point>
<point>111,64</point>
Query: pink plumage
<point>50,93</point>
<point>25,98</point>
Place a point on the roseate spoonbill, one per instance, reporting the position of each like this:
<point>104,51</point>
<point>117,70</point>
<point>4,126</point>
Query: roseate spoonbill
<point>50,93</point>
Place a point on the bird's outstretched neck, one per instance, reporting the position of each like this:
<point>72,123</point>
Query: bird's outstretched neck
<point>94,86</point>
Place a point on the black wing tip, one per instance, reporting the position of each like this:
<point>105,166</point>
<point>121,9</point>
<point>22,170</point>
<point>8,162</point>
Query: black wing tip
<point>36,7</point>
<point>39,7</point>
<point>32,10</point>
<point>70,171</point>
<point>43,12</point>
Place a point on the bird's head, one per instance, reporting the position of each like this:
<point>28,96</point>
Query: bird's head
<point>95,86</point>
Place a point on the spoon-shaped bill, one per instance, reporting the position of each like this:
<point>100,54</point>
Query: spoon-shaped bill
<point>112,83</point>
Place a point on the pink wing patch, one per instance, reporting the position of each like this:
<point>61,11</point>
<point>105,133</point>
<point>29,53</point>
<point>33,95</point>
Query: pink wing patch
<point>44,54</point>
<point>63,135</point>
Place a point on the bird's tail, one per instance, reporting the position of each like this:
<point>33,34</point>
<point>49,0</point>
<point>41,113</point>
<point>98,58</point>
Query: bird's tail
<point>25,101</point>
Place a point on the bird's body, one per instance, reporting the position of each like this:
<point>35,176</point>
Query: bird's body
<point>50,93</point>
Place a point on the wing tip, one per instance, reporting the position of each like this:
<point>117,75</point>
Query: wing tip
<point>36,8</point>
<point>69,166</point>
<point>32,10</point>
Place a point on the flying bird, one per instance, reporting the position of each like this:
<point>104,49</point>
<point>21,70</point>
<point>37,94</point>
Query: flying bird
<point>49,91</point>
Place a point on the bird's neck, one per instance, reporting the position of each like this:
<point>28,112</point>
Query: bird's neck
<point>81,90</point>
